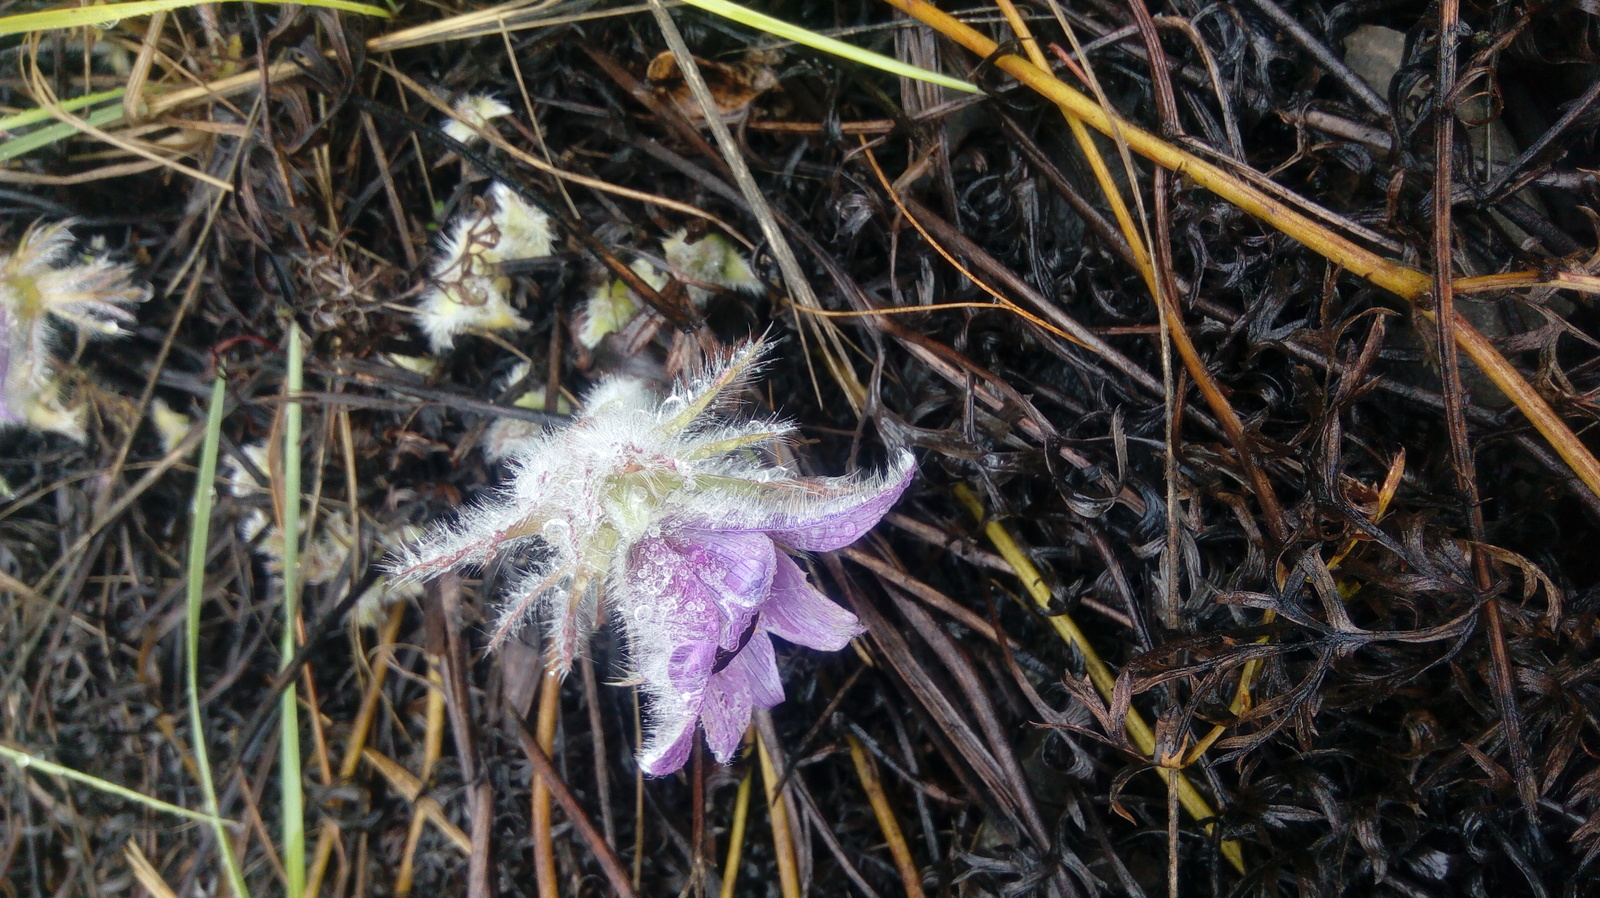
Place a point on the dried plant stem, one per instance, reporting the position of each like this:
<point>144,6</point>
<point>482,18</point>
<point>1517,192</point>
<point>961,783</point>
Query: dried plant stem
<point>145,872</point>
<point>39,86</point>
<point>432,749</point>
<point>638,797</point>
<point>1511,280</point>
<point>1099,674</point>
<point>794,276</point>
<point>544,848</point>
<point>410,788</point>
<point>782,838</point>
<point>1461,455</point>
<point>547,774</point>
<point>741,815</point>
<point>359,730</point>
<point>867,772</point>
<point>1161,285</point>
<point>1407,283</point>
<point>1091,154</point>
<point>1084,339</point>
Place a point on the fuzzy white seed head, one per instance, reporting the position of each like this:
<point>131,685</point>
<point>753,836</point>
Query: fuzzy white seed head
<point>48,288</point>
<point>425,365</point>
<point>708,263</point>
<point>473,112</point>
<point>171,425</point>
<point>49,412</point>
<point>326,553</point>
<point>534,397</point>
<point>612,305</point>
<point>524,231</point>
<point>470,305</point>
<point>469,292</point>
<point>242,484</point>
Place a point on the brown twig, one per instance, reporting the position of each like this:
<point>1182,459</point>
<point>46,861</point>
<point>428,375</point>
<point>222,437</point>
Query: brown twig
<point>1444,122</point>
<point>547,774</point>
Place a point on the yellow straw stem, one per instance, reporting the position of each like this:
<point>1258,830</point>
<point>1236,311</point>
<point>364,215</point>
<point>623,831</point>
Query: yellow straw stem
<point>782,839</point>
<point>1100,675</point>
<point>741,814</point>
<point>1407,283</point>
<point>866,771</point>
<point>544,847</point>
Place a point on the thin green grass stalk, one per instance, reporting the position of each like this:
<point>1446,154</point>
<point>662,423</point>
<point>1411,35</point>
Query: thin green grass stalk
<point>111,13</point>
<point>43,137</point>
<point>290,773</point>
<point>34,116</point>
<point>26,761</point>
<point>199,537</point>
<point>779,28</point>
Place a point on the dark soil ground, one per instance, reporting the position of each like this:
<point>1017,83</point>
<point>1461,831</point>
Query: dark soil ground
<point>1315,502</point>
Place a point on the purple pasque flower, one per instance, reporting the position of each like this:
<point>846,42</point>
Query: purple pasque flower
<point>731,591</point>
<point>675,517</point>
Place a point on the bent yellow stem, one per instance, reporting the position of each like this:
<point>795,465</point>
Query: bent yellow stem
<point>1100,675</point>
<point>1407,283</point>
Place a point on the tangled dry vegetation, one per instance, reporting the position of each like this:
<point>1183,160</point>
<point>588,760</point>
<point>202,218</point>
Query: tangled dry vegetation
<point>1252,547</point>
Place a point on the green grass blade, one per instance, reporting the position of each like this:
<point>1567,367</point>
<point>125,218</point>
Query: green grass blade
<point>199,537</point>
<point>779,28</point>
<point>34,116</point>
<point>75,16</point>
<point>290,774</point>
<point>26,761</point>
<point>41,137</point>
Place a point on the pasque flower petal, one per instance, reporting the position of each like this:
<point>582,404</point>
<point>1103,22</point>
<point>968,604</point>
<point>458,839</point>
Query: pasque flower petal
<point>756,666</point>
<point>749,681</point>
<point>666,749</point>
<point>826,513</point>
<point>800,614</point>
<point>736,566</point>
<point>725,715</point>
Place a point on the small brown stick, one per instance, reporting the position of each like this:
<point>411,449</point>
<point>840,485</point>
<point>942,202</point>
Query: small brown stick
<point>980,774</point>
<point>602,778</point>
<point>741,814</point>
<point>396,209</point>
<point>411,789</point>
<point>548,775</point>
<point>1500,675</point>
<point>946,233</point>
<point>922,591</point>
<point>1511,178</point>
<point>1173,333</point>
<point>1325,57</point>
<point>432,745</point>
<point>1566,280</point>
<point>445,593</point>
